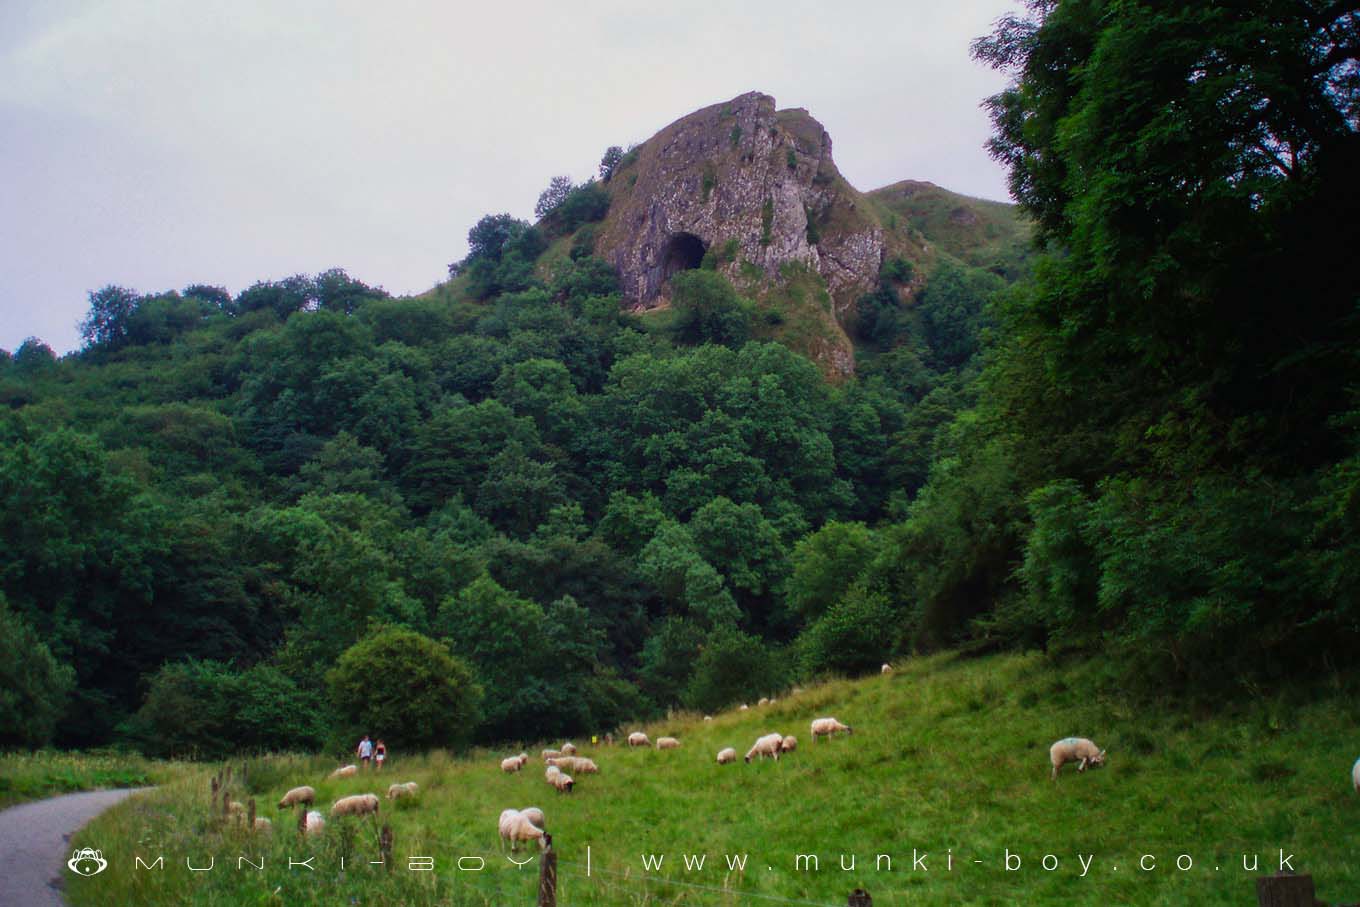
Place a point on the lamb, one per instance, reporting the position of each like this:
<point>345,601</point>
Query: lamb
<point>409,789</point>
<point>637,738</point>
<point>1075,749</point>
<point>667,743</point>
<point>727,755</point>
<point>887,668</point>
<point>788,744</point>
<point>535,815</point>
<point>551,754</point>
<point>515,826</point>
<point>298,796</point>
<point>348,771</point>
<point>826,727</point>
<point>356,805</point>
<point>568,749</point>
<point>314,823</point>
<point>766,746</point>
<point>511,765</point>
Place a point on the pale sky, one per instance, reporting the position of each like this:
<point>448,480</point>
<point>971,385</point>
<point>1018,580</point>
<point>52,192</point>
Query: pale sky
<point>154,144</point>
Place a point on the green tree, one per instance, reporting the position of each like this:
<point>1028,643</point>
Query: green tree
<point>825,564</point>
<point>407,688</point>
<point>34,686</point>
<point>708,310</point>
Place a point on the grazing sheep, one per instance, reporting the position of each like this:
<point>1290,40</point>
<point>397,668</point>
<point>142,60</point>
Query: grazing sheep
<point>356,805</point>
<point>763,701</point>
<point>1075,749</point>
<point>743,707</point>
<point>727,755</point>
<point>534,815</point>
<point>514,827</point>
<point>568,749</point>
<point>708,717</point>
<point>559,780</point>
<point>766,746</point>
<point>409,789</point>
<point>314,823</point>
<point>263,824</point>
<point>583,766</point>
<point>667,743</point>
<point>298,796</point>
<point>887,669</point>
<point>637,738</point>
<point>551,754</point>
<point>348,771</point>
<point>511,765</point>
<point>773,700</point>
<point>1355,775</point>
<point>825,727</point>
<point>788,744</point>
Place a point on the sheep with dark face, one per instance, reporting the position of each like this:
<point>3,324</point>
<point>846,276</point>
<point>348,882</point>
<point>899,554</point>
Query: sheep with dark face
<point>727,755</point>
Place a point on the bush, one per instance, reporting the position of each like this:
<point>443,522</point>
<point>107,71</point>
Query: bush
<point>855,636</point>
<point>406,687</point>
<point>733,667</point>
<point>34,686</point>
<point>708,310</point>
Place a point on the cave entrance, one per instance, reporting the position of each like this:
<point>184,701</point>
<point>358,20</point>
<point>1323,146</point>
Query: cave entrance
<point>684,252</point>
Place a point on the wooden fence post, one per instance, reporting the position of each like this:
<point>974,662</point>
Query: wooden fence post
<point>226,804</point>
<point>547,874</point>
<point>1285,890</point>
<point>250,815</point>
<point>385,846</point>
<point>860,898</point>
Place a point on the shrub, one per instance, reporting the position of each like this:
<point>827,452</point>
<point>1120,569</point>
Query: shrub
<point>854,636</point>
<point>733,666</point>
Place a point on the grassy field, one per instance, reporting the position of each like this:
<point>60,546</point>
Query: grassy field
<point>949,758</point>
<point>32,776</point>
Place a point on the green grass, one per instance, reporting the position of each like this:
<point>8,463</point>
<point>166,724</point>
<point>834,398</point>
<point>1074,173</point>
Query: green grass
<point>33,776</point>
<point>949,755</point>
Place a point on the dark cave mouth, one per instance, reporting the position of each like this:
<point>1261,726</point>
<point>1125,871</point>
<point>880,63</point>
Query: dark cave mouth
<point>684,252</point>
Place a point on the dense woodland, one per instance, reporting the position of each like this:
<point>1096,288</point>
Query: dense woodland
<point>509,510</point>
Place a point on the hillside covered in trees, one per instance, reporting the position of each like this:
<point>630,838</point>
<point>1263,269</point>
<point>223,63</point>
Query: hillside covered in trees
<point>270,519</point>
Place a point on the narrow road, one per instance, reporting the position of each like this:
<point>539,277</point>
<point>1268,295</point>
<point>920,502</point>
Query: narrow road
<point>35,844</point>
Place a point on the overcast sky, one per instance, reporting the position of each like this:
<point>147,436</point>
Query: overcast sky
<point>154,144</point>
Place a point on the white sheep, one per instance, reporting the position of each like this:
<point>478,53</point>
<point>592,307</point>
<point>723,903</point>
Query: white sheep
<point>409,789</point>
<point>887,668</point>
<point>535,815</point>
<point>356,805</point>
<point>727,755</point>
<point>514,827</point>
<point>569,749</point>
<point>298,796</point>
<point>743,707</point>
<point>314,823</point>
<point>1355,775</point>
<point>788,744</point>
<point>766,746</point>
<point>236,809</point>
<point>825,727</point>
<point>637,738</point>
<point>708,717</point>
<point>763,701</point>
<point>583,766</point>
<point>1075,749</point>
<point>558,779</point>
<point>347,771</point>
<point>667,743</point>
<point>263,824</point>
<point>551,754</point>
<point>511,765</point>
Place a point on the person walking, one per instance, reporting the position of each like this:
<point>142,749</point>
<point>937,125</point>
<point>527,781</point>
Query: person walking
<point>379,754</point>
<point>365,751</point>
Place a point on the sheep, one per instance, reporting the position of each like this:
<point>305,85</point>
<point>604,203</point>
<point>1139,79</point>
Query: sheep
<point>825,727</point>
<point>514,827</point>
<point>298,796</point>
<point>887,669</point>
<point>348,771</point>
<point>314,823</point>
<point>773,700</point>
<point>667,743</point>
<point>561,761</point>
<point>551,754</point>
<point>511,765</point>
<point>582,766</point>
<point>535,815</point>
<point>568,749</point>
<point>788,744</point>
<point>562,782</point>
<point>795,691</point>
<point>708,717</point>
<point>1355,775</point>
<point>764,700</point>
<point>1075,749</point>
<point>743,707</point>
<point>409,789</point>
<point>263,824</point>
<point>727,755</point>
<point>766,746</point>
<point>637,738</point>
<point>236,809</point>
<point>356,805</point>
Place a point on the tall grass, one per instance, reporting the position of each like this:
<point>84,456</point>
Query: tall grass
<point>949,757</point>
<point>32,776</point>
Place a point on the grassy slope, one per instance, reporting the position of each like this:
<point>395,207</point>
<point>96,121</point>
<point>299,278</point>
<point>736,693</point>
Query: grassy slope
<point>975,231</point>
<point>33,776</point>
<point>948,754</point>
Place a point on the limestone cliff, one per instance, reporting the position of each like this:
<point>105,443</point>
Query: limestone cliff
<point>758,188</point>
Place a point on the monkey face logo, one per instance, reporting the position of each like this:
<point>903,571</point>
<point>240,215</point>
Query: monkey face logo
<point>87,862</point>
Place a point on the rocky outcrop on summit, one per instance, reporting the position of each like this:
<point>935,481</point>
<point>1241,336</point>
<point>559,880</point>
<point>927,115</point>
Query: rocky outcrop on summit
<point>756,187</point>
